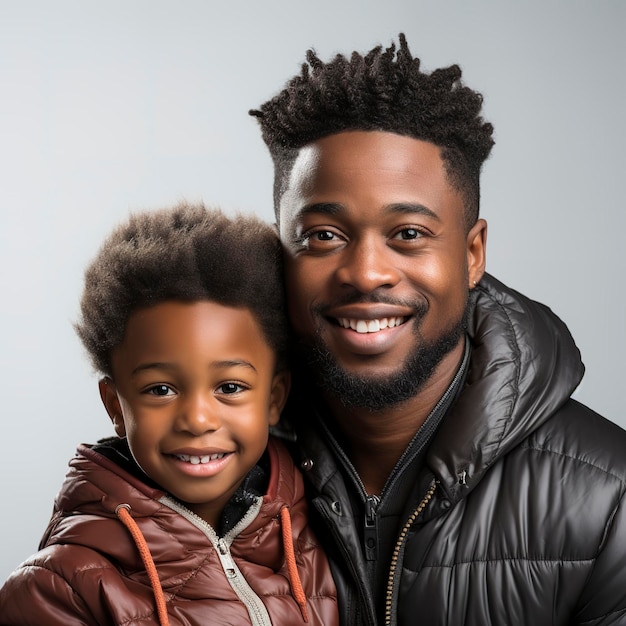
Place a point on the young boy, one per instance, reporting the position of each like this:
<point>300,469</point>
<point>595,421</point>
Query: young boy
<point>192,515</point>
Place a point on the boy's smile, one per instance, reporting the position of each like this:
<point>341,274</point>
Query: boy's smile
<point>194,391</point>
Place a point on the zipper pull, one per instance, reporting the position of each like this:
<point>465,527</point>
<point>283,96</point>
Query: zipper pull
<point>228,565</point>
<point>370,533</point>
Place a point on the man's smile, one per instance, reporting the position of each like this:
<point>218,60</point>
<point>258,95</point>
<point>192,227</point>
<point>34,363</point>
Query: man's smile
<point>371,326</point>
<point>371,317</point>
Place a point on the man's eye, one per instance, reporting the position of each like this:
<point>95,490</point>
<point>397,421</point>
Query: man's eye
<point>161,390</point>
<point>312,237</point>
<point>229,388</point>
<point>319,239</point>
<point>409,233</point>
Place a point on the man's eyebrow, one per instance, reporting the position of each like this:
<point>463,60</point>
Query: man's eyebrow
<point>328,208</point>
<point>411,207</point>
<point>334,208</point>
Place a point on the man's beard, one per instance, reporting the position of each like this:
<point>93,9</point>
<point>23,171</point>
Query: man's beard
<point>377,393</point>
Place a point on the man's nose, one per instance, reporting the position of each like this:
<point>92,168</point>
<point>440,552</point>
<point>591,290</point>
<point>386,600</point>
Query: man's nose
<point>198,415</point>
<point>366,265</point>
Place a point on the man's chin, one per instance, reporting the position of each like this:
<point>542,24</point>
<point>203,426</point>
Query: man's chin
<point>366,386</point>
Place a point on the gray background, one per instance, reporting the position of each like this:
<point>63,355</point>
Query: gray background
<point>107,107</point>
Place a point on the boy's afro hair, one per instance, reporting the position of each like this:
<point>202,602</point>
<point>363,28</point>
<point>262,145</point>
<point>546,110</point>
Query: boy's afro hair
<point>187,253</point>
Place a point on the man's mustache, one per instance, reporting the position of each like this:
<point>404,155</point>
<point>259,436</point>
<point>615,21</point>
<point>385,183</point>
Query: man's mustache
<point>418,306</point>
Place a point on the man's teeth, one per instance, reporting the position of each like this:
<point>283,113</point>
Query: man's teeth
<point>194,460</point>
<point>370,326</point>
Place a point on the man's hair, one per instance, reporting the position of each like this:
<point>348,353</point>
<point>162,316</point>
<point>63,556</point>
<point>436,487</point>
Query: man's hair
<point>385,91</point>
<point>186,253</point>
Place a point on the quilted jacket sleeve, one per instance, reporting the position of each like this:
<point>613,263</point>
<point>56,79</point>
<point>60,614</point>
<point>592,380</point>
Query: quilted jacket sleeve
<point>52,591</point>
<point>34,595</point>
<point>603,601</point>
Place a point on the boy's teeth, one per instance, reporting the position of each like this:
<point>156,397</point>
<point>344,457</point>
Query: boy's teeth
<point>195,460</point>
<point>370,326</point>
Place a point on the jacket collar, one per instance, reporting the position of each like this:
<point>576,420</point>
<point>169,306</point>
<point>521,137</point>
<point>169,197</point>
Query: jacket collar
<point>524,365</point>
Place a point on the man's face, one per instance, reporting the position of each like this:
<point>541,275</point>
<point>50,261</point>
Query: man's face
<point>378,263</point>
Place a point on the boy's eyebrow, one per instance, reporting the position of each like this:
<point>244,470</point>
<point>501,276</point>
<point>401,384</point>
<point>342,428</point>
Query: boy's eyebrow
<point>234,363</point>
<point>152,366</point>
<point>333,208</point>
<point>158,365</point>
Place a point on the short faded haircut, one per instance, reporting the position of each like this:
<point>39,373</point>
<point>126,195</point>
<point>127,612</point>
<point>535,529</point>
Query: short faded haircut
<point>381,90</point>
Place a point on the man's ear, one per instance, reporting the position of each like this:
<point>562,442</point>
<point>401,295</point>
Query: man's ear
<point>108,395</point>
<point>476,252</point>
<point>281,384</point>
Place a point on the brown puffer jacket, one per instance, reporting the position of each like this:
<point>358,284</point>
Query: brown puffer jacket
<point>91,570</point>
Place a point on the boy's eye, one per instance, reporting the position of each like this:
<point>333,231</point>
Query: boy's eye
<point>161,390</point>
<point>230,388</point>
<point>323,235</point>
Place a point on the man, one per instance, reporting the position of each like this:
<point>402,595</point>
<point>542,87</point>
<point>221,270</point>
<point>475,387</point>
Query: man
<point>453,477</point>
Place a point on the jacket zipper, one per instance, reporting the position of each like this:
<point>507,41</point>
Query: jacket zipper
<point>395,557</point>
<point>256,609</point>
<point>254,605</point>
<point>370,531</point>
<point>322,508</point>
<point>371,502</point>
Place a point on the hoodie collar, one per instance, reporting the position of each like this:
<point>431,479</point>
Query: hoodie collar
<point>524,365</point>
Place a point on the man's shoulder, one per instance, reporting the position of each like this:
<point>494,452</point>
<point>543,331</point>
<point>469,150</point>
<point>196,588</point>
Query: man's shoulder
<point>577,432</point>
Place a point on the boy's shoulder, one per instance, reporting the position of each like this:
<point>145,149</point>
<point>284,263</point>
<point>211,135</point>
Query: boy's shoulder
<point>56,576</point>
<point>281,449</point>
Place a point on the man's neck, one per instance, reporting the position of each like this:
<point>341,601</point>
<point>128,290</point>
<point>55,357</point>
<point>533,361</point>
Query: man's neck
<point>375,441</point>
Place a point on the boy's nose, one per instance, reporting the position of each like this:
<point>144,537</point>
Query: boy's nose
<point>198,416</point>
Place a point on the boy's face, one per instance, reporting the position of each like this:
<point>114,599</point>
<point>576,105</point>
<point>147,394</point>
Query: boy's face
<point>194,391</point>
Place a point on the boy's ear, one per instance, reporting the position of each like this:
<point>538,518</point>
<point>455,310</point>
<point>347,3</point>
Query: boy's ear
<point>281,384</point>
<point>108,395</point>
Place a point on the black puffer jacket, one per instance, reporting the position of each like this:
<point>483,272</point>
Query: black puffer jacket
<point>517,515</point>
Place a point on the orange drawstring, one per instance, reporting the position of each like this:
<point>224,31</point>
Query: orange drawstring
<point>122,511</point>
<point>290,558</point>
